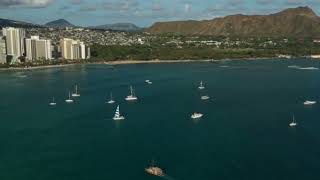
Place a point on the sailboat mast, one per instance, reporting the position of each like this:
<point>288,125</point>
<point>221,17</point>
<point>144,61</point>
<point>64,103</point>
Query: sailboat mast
<point>294,119</point>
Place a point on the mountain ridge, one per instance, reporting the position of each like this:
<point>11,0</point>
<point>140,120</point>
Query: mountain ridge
<point>19,24</point>
<point>59,23</point>
<point>118,27</point>
<point>300,21</point>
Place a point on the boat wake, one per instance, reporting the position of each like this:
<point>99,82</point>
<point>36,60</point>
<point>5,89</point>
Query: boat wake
<point>309,68</point>
<point>167,177</point>
<point>303,68</point>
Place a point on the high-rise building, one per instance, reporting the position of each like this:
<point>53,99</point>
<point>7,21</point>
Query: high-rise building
<point>71,49</point>
<point>82,51</point>
<point>3,51</point>
<point>66,48</point>
<point>38,49</point>
<point>14,41</point>
<point>88,53</point>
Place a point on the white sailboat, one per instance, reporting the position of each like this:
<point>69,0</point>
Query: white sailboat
<point>132,96</point>
<point>52,103</point>
<point>148,81</point>
<point>309,102</point>
<point>205,97</point>
<point>201,86</point>
<point>117,116</point>
<point>196,115</point>
<point>293,123</point>
<point>75,93</point>
<point>69,100</point>
<point>111,101</point>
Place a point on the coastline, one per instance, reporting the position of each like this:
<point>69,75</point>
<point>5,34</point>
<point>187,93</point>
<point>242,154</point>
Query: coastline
<point>37,67</point>
<point>127,62</point>
<point>123,62</point>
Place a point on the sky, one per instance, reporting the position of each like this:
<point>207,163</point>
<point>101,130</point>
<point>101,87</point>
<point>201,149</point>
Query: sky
<point>140,12</point>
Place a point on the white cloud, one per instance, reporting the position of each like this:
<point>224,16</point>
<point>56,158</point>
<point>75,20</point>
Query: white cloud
<point>187,8</point>
<point>28,3</point>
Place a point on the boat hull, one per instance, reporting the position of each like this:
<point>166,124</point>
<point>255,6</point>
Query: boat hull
<point>69,101</point>
<point>130,98</point>
<point>118,118</point>
<point>309,102</point>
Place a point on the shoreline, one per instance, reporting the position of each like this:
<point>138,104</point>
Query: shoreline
<point>127,62</point>
<point>124,62</point>
<point>37,67</point>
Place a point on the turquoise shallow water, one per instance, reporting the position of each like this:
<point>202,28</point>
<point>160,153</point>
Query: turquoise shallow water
<point>244,134</point>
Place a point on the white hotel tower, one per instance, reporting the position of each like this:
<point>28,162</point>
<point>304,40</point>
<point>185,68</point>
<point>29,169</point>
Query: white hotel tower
<point>38,49</point>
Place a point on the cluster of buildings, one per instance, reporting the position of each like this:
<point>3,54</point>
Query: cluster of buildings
<point>15,47</point>
<point>92,36</point>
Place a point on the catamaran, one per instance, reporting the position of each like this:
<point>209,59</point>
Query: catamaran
<point>153,170</point>
<point>117,116</point>
<point>52,103</point>
<point>196,115</point>
<point>201,85</point>
<point>76,94</point>
<point>293,123</point>
<point>309,102</point>
<point>111,101</point>
<point>69,100</point>
<point>132,96</point>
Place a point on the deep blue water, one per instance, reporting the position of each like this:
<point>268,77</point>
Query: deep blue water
<point>244,134</point>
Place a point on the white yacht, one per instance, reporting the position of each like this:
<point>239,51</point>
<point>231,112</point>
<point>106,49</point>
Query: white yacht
<point>201,85</point>
<point>309,102</point>
<point>148,81</point>
<point>155,171</point>
<point>75,93</point>
<point>293,123</point>
<point>52,103</point>
<point>111,101</point>
<point>69,100</point>
<point>132,96</point>
<point>117,116</point>
<point>205,97</point>
<point>196,115</point>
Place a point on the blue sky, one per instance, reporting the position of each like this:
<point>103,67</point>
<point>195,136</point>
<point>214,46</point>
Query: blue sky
<point>141,12</point>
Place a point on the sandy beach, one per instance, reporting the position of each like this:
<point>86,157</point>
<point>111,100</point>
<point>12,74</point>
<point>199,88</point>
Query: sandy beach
<point>155,61</point>
<point>123,62</point>
<point>38,67</point>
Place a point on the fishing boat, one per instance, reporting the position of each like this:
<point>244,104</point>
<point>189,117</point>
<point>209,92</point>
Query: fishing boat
<point>201,86</point>
<point>132,96</point>
<point>69,100</point>
<point>196,115</point>
<point>309,102</point>
<point>154,170</point>
<point>117,116</point>
<point>293,123</point>
<point>52,103</point>
<point>75,93</point>
<point>111,101</point>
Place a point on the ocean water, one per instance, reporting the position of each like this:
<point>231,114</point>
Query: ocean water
<point>244,134</point>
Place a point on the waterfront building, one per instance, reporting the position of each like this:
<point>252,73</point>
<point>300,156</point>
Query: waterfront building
<point>14,42</point>
<point>38,49</point>
<point>71,49</point>
<point>3,51</point>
